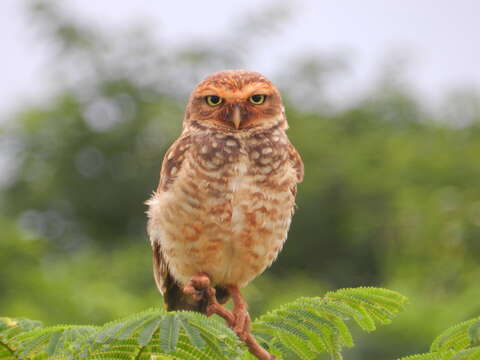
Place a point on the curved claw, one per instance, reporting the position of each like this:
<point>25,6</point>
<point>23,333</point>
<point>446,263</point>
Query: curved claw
<point>197,286</point>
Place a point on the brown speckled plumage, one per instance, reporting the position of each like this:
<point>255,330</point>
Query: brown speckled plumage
<point>226,195</point>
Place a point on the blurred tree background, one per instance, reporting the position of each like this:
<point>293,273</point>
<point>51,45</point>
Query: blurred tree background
<point>390,197</point>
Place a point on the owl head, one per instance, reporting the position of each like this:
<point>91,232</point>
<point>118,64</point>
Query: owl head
<point>235,100</point>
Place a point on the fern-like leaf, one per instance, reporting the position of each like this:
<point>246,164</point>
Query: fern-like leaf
<point>458,337</point>
<point>154,334</point>
<point>459,342</point>
<point>427,356</point>
<point>26,339</point>
<point>302,329</point>
<point>310,326</point>
<point>10,328</point>
<point>169,330</point>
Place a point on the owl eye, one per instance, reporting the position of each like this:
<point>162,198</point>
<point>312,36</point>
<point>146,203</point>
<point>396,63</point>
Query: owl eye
<point>213,100</point>
<point>257,99</point>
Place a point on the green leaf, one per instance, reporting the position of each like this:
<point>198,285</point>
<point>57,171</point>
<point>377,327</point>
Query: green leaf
<point>130,328</point>
<point>33,345</point>
<point>319,325</point>
<point>192,333</point>
<point>459,342</point>
<point>53,344</point>
<point>301,329</point>
<point>169,329</point>
<point>457,337</point>
<point>147,332</point>
<point>426,356</point>
<point>474,333</point>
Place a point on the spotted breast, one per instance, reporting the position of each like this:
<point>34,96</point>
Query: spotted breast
<point>225,206</point>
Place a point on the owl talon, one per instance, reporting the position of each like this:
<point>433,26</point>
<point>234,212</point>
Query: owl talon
<point>201,281</point>
<point>197,286</point>
<point>197,295</point>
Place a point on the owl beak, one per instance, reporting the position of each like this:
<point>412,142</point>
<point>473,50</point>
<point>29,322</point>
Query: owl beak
<point>236,118</point>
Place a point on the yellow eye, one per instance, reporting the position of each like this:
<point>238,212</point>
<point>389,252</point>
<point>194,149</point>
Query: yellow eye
<point>257,99</point>
<point>213,100</point>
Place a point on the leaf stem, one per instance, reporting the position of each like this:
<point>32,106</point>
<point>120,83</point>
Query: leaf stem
<point>12,352</point>
<point>137,357</point>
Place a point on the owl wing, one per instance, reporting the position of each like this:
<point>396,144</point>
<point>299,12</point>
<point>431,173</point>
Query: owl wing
<point>172,161</point>
<point>171,165</point>
<point>296,162</point>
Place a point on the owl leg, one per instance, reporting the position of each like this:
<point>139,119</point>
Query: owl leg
<point>240,312</point>
<point>239,320</point>
<point>199,287</point>
<point>214,307</point>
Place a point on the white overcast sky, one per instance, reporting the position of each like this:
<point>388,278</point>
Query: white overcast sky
<point>440,37</point>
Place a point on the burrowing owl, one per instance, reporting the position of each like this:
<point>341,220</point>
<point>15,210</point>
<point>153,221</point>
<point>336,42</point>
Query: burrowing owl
<point>227,191</point>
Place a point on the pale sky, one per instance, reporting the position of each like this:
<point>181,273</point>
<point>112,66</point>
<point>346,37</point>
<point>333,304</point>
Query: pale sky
<point>440,38</point>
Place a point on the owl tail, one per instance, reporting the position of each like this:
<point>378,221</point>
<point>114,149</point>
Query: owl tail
<point>176,299</point>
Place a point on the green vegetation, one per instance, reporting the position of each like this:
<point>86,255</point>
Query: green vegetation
<point>390,196</point>
<point>302,329</point>
<point>460,342</point>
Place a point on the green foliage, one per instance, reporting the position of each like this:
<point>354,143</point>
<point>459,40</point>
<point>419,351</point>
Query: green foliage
<point>302,329</point>
<point>151,333</point>
<point>459,337</point>
<point>27,339</point>
<point>459,342</point>
<point>310,326</point>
